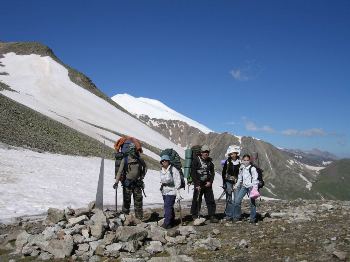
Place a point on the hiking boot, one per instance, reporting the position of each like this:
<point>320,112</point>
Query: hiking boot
<point>194,217</point>
<point>252,221</point>
<point>213,220</point>
<point>166,226</point>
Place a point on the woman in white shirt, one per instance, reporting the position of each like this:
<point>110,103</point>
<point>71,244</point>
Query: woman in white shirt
<point>247,179</point>
<point>171,183</point>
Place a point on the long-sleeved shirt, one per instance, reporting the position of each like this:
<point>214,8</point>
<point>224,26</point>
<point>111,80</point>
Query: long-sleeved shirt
<point>246,179</point>
<point>170,182</point>
<point>231,175</point>
<point>202,171</point>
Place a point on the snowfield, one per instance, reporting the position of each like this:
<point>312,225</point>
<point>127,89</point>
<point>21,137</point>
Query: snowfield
<point>31,182</point>
<point>154,109</point>
<point>43,85</point>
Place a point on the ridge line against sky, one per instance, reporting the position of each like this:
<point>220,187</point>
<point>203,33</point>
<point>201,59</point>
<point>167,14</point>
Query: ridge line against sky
<point>277,70</point>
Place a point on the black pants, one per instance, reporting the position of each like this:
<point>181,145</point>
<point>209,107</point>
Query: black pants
<point>209,200</point>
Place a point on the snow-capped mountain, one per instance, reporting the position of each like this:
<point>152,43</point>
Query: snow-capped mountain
<point>314,157</point>
<point>154,110</point>
<point>44,84</point>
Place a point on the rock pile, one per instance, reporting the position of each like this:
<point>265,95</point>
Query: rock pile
<point>91,234</point>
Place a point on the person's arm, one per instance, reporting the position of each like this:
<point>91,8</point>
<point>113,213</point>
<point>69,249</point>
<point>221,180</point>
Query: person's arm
<point>240,178</point>
<point>120,171</point>
<point>212,172</point>
<point>223,173</point>
<point>194,174</point>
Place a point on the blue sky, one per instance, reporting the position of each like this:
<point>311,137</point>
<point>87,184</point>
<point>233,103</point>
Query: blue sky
<point>275,70</point>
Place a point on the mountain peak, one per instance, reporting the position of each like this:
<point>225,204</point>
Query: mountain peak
<point>154,109</point>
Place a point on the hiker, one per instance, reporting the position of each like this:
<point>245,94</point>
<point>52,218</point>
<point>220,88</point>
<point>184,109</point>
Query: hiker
<point>202,173</point>
<point>170,185</point>
<point>247,181</point>
<point>230,173</point>
<point>131,172</point>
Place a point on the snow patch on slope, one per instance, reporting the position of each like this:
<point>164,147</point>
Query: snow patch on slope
<point>308,183</point>
<point>42,180</point>
<point>154,109</point>
<point>44,85</point>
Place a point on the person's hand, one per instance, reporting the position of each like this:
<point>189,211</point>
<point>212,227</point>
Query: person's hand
<point>198,188</point>
<point>115,185</point>
<point>208,184</point>
<point>178,195</point>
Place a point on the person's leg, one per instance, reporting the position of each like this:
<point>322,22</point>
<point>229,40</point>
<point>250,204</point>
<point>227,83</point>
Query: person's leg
<point>229,200</point>
<point>126,200</point>
<point>252,210</point>
<point>210,201</point>
<point>169,210</point>
<point>196,202</point>
<point>194,207</point>
<point>138,202</point>
<point>239,195</point>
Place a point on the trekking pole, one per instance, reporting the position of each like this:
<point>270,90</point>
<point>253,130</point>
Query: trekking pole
<point>180,210</point>
<point>222,194</point>
<point>116,199</point>
<point>143,191</point>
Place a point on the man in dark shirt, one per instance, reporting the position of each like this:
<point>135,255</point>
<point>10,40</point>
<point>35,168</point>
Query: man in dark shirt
<point>202,172</point>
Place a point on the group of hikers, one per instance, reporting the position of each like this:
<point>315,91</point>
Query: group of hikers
<point>239,176</point>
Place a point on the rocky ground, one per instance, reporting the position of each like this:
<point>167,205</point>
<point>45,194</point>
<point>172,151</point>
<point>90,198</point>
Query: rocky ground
<point>287,231</point>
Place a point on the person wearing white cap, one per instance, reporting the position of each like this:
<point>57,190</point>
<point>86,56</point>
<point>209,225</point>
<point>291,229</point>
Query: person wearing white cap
<point>230,173</point>
<point>171,183</point>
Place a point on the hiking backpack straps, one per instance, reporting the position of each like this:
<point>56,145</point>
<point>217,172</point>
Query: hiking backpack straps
<point>260,176</point>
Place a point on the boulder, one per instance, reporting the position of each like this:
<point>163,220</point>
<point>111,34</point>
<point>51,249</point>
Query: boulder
<point>54,216</point>
<point>211,244</point>
<point>60,248</point>
<point>113,250</point>
<point>78,239</point>
<point>97,231</point>
<point>21,241</point>
<point>126,234</point>
<point>109,238</point>
<point>77,220</point>
<point>131,220</point>
<point>157,234</point>
<point>95,258</point>
<point>95,244</point>
<point>85,232</point>
<point>99,218</point>
<point>340,255</point>
<point>28,250</point>
<point>131,246</point>
<point>199,221</point>
<point>45,256</point>
<point>243,243</point>
<point>82,249</point>
<point>176,240</point>
<point>180,258</point>
<point>186,230</point>
<point>82,211</point>
<point>154,247</point>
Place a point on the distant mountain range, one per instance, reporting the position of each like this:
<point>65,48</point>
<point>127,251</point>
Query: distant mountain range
<point>49,106</point>
<point>314,157</point>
